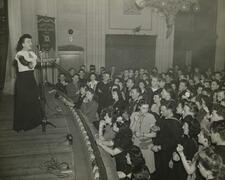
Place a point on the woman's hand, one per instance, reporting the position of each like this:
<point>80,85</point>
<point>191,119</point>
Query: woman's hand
<point>176,157</point>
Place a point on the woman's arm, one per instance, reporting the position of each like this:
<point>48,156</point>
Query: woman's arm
<point>101,128</point>
<point>189,167</point>
<point>109,150</point>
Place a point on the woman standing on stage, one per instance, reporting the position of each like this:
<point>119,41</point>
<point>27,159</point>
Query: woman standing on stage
<point>27,110</point>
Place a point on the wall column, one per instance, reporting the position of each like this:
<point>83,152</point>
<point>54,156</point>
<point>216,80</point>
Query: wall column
<point>14,15</point>
<point>220,43</point>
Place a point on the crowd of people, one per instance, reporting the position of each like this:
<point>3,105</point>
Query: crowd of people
<point>158,126</point>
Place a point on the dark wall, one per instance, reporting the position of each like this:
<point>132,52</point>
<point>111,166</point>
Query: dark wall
<point>130,51</point>
<point>197,32</point>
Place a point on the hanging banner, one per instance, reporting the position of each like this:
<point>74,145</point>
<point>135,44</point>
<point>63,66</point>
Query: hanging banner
<point>46,34</point>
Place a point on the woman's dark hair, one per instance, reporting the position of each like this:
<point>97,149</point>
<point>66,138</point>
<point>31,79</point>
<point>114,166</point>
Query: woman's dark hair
<point>19,46</point>
<point>123,138</point>
<point>136,156</point>
<point>109,111</point>
<point>118,93</point>
<point>219,127</point>
<point>171,104</point>
<point>212,162</point>
<point>193,107</point>
<point>193,126</point>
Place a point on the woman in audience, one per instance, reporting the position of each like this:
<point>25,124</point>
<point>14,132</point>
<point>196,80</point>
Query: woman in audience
<point>106,132</point>
<point>157,104</point>
<point>139,169</point>
<point>191,129</point>
<point>92,83</point>
<point>210,165</point>
<point>190,166</point>
<point>118,102</point>
<point>119,148</point>
<point>141,124</point>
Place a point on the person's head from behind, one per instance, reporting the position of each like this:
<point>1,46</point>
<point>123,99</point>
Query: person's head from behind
<point>168,109</point>
<point>24,43</point>
<point>217,129</point>
<point>191,128</point>
<point>190,108</point>
<point>210,165</point>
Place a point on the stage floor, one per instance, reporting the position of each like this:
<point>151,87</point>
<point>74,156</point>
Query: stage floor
<point>21,154</point>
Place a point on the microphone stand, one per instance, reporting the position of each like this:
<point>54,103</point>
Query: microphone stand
<point>45,121</point>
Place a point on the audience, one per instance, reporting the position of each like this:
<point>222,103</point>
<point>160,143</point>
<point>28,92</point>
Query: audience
<point>156,126</point>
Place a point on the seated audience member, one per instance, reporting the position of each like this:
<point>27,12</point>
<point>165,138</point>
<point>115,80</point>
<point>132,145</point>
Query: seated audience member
<point>82,95</point>
<point>210,165</point>
<point>218,138</point>
<point>141,123</point>
<point>61,84</point>
<point>143,90</point>
<point>118,102</point>
<point>134,100</point>
<point>106,123</point>
<point>82,78</point>
<point>103,92</point>
<point>183,88</point>
<point>92,83</point>
<point>154,89</point>
<point>139,169</point>
<point>89,106</point>
<point>220,96</point>
<point>129,85</point>
<point>156,104</point>
<point>72,72</point>
<point>119,149</point>
<point>73,88</point>
<point>168,94</point>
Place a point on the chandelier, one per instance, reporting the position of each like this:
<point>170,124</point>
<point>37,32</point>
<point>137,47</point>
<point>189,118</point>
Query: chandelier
<point>169,8</point>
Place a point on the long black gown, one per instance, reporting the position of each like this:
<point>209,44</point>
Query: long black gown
<point>27,108</point>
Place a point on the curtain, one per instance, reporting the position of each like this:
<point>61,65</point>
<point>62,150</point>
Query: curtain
<point>14,16</point>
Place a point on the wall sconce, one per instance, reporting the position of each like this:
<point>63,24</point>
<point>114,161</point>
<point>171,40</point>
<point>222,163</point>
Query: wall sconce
<point>70,32</point>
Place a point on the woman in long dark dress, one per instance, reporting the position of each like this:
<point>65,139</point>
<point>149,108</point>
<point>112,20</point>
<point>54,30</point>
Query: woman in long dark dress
<point>27,110</point>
